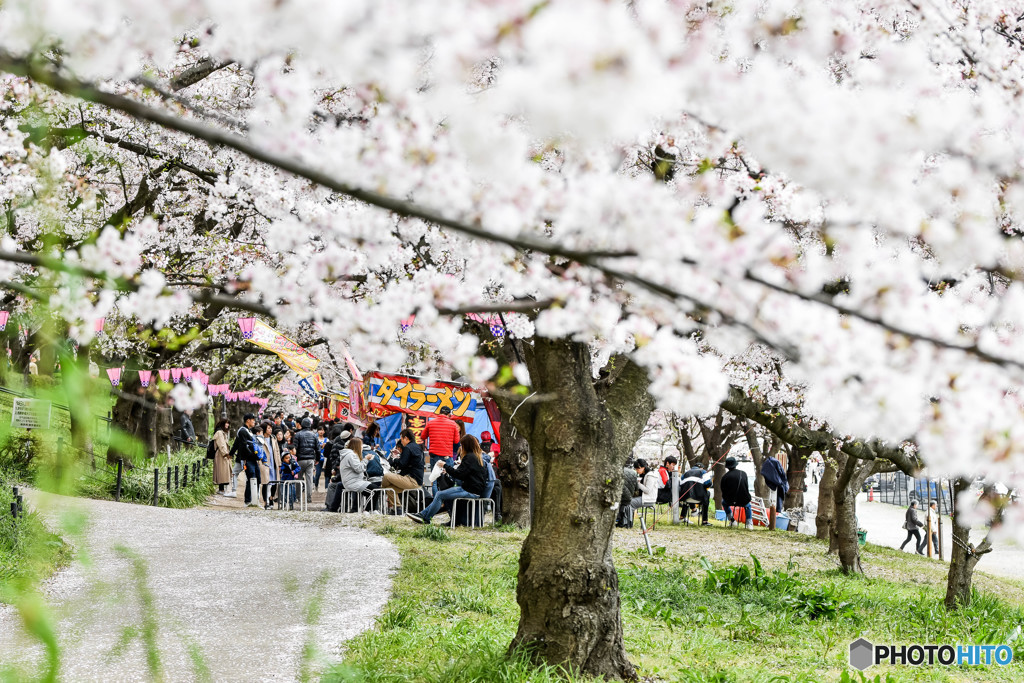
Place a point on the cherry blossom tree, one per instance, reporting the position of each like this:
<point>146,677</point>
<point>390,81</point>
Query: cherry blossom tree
<point>646,191</point>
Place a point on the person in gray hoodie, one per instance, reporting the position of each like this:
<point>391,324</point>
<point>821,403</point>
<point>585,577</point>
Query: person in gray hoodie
<point>353,468</point>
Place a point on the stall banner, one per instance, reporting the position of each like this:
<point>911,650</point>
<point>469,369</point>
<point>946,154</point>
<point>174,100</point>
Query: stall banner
<point>294,356</point>
<point>317,383</point>
<point>307,386</point>
<point>413,396</point>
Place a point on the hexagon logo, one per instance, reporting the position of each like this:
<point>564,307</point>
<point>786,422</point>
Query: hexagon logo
<point>861,654</point>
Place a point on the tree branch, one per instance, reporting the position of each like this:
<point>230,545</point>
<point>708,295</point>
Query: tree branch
<point>821,440</point>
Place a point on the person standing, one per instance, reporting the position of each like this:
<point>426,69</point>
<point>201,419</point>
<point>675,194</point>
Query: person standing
<point>775,477</point>
<point>221,459</point>
<point>273,466</point>
<point>321,441</point>
<point>244,450</point>
<point>913,526</point>
<point>933,525</point>
<point>440,435</point>
<point>408,467</point>
<point>306,453</point>
<point>735,492</point>
<point>188,432</point>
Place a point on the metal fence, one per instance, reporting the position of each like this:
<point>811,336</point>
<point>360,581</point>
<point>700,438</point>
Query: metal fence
<point>896,488</point>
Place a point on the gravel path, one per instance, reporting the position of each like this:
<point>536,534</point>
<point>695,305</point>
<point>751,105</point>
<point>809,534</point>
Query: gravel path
<point>230,588</point>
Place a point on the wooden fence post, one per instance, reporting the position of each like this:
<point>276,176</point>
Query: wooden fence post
<point>117,491</point>
<point>175,477</point>
<point>156,485</point>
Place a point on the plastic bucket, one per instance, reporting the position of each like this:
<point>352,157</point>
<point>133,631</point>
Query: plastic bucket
<point>781,522</point>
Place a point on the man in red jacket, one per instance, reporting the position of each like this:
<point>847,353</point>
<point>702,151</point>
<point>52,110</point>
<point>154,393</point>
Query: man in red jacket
<point>440,436</point>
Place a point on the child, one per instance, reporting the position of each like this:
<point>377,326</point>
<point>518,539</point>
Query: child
<point>290,471</point>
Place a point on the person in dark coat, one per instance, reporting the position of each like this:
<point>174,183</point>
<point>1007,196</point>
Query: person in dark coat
<point>630,480</point>
<point>735,492</point>
<point>775,477</point>
<point>693,490</point>
<point>472,472</point>
<point>913,526</point>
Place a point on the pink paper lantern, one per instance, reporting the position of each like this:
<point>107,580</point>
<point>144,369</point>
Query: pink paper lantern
<point>247,325</point>
<point>165,375</point>
<point>98,325</point>
<point>187,374</point>
<point>176,374</point>
<point>145,376</point>
<point>204,378</point>
<point>407,322</point>
<point>4,315</point>
<point>115,376</point>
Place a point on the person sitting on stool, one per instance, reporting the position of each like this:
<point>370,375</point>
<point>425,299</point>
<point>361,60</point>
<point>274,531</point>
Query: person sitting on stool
<point>649,481</point>
<point>694,487</point>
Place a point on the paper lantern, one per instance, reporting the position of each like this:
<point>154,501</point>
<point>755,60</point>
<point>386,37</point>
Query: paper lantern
<point>247,325</point>
<point>204,378</point>
<point>98,325</point>
<point>145,376</point>
<point>187,373</point>
<point>115,376</point>
<point>176,374</point>
<point>497,329</point>
<point>4,315</point>
<point>407,322</point>
<point>165,375</point>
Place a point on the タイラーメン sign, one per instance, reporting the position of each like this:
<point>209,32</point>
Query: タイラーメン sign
<point>414,396</point>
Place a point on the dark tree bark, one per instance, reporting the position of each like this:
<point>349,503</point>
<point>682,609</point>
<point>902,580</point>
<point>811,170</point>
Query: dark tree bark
<point>851,475</point>
<point>514,473</point>
<point>964,557</point>
<point>757,455</point>
<point>796,474</point>
<point>568,587</point>
<point>826,498</point>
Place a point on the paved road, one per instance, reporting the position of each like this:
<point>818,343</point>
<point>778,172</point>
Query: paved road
<point>231,585</point>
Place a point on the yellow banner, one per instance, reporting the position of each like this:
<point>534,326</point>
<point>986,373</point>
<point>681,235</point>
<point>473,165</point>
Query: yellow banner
<point>294,356</point>
<point>318,383</point>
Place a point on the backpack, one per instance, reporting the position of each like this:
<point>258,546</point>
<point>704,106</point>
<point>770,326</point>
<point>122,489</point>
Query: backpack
<point>374,468</point>
<point>211,450</point>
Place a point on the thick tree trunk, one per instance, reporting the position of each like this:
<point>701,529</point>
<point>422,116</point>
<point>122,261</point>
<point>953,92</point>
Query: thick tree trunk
<point>796,474</point>
<point>963,558</point>
<point>514,473</point>
<point>757,455</point>
<point>844,532</point>
<point>826,500</point>
<point>568,587</point>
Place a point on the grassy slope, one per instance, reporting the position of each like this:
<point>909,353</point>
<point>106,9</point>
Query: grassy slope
<point>453,611</point>
<point>28,550</point>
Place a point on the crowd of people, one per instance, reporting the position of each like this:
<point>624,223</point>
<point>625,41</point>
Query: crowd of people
<point>290,448</point>
<point>646,487</point>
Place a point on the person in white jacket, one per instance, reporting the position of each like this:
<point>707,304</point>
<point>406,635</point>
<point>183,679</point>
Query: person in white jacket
<point>648,481</point>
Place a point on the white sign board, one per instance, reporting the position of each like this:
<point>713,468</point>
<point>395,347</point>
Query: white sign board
<point>31,413</point>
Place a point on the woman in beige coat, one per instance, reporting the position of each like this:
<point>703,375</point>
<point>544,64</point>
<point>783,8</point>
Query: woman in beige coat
<point>221,461</point>
<point>271,471</point>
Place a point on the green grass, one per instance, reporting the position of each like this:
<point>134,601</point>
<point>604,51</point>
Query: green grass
<point>29,552</point>
<point>453,613</point>
<point>137,481</point>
